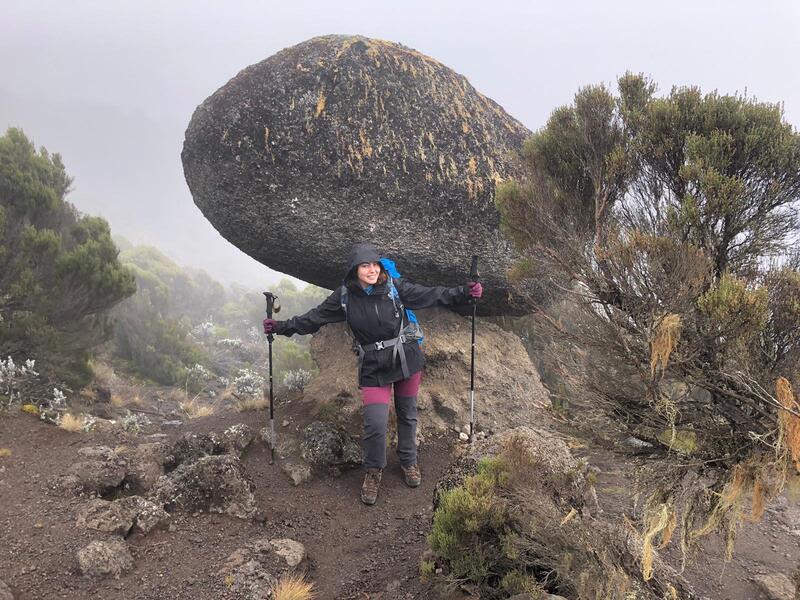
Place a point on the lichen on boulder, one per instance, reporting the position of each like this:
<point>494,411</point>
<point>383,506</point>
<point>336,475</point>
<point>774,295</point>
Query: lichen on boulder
<point>342,139</point>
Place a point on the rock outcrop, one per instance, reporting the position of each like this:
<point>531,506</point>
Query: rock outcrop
<point>105,559</point>
<point>343,139</point>
<point>211,483</point>
<point>99,470</point>
<point>508,390</point>
<point>545,496</point>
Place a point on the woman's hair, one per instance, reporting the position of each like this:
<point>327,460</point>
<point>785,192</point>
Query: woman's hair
<point>351,279</point>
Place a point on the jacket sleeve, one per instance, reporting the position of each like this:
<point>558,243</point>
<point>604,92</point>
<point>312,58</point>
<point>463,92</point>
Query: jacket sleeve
<point>419,296</point>
<point>330,311</point>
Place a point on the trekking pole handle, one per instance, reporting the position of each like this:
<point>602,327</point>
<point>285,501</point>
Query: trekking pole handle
<point>273,305</point>
<point>473,274</point>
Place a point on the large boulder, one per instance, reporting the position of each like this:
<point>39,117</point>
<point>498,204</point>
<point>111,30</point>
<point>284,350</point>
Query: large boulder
<point>343,139</point>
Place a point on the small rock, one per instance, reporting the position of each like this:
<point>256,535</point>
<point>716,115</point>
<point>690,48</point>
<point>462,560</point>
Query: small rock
<point>101,559</point>
<point>237,438</point>
<point>291,551</point>
<point>776,586</point>
<point>297,472</point>
<point>285,423</point>
<point>463,437</point>
<point>327,445</point>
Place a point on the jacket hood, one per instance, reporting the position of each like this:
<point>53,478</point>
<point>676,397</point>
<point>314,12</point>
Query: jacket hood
<point>362,253</point>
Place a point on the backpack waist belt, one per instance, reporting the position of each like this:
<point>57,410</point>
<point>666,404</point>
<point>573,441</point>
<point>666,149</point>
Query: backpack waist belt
<point>399,350</point>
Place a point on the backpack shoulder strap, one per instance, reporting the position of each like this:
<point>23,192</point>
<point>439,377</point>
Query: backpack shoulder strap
<point>343,300</point>
<point>394,294</point>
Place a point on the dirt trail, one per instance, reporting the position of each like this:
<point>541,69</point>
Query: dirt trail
<point>355,551</point>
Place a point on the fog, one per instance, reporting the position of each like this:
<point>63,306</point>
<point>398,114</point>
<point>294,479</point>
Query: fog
<point>112,85</point>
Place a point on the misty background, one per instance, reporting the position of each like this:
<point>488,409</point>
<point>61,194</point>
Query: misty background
<point>112,85</point>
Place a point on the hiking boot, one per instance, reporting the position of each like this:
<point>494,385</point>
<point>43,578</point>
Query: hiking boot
<point>412,475</point>
<point>369,489</point>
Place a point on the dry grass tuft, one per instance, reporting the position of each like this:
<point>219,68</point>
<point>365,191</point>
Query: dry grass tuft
<point>195,410</point>
<point>5,452</point>
<point>117,400</point>
<point>293,587</point>
<point>103,373</point>
<point>71,423</point>
<point>251,404</point>
<point>665,338</point>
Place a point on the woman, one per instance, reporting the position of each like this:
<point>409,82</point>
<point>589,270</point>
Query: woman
<point>386,359</point>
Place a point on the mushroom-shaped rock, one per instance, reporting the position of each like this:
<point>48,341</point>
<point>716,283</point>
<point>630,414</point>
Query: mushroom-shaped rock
<point>342,139</point>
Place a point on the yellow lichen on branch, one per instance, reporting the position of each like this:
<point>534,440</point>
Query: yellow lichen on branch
<point>665,338</point>
<point>660,519</point>
<point>788,423</point>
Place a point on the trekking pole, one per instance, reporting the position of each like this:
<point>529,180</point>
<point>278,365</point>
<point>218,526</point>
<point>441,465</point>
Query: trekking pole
<point>273,304</point>
<point>473,276</point>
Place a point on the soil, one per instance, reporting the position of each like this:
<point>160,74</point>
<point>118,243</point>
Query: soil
<point>354,551</point>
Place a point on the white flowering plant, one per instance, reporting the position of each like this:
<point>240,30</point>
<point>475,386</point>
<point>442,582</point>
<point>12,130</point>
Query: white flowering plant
<point>15,380</point>
<point>297,379</point>
<point>248,384</point>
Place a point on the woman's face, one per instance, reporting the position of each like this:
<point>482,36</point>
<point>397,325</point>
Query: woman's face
<point>368,273</point>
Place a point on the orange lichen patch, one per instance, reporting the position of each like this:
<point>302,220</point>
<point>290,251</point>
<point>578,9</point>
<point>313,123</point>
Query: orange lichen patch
<point>320,102</point>
<point>788,423</point>
<point>366,147</point>
<point>666,334</point>
<point>758,501</point>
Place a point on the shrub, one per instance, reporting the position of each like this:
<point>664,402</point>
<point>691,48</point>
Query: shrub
<point>15,381</point>
<point>470,522</point>
<point>248,384</point>
<point>297,380</point>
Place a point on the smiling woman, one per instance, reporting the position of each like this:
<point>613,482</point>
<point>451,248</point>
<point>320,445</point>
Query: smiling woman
<point>369,273</point>
<point>373,304</point>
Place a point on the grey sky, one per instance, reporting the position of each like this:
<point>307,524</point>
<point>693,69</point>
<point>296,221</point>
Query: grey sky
<point>112,85</point>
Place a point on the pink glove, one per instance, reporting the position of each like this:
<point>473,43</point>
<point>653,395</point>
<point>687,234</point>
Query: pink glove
<point>474,289</point>
<point>270,326</point>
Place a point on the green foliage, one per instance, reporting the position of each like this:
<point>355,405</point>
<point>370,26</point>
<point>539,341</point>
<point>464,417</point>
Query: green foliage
<point>157,346</point>
<point>59,270</point>
<point>733,308</point>
<point>470,522</point>
<point>681,208</point>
